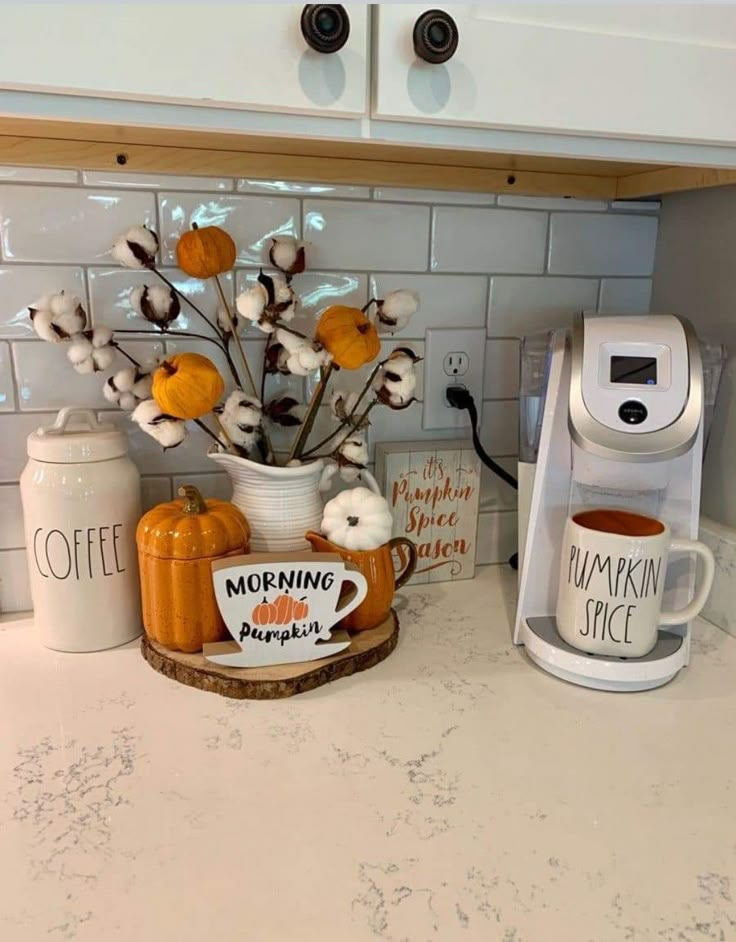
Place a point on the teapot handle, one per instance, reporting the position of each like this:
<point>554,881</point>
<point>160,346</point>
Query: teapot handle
<point>365,477</point>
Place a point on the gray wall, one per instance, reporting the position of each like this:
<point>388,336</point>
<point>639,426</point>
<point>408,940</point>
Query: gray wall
<point>695,275</point>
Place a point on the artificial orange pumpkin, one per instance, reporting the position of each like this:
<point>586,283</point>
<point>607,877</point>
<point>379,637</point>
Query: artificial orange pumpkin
<point>187,385</point>
<point>177,542</point>
<point>265,613</point>
<point>349,336</point>
<point>204,253</point>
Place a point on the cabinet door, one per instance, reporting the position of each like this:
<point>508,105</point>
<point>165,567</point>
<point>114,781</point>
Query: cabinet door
<point>238,55</point>
<point>659,71</point>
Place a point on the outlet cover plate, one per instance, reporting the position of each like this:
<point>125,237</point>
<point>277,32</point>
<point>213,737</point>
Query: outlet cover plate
<point>439,342</point>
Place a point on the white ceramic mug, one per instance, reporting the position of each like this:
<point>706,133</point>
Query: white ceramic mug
<point>612,577</point>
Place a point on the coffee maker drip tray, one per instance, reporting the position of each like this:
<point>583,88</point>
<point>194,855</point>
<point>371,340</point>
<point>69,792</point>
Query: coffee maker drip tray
<point>547,649</point>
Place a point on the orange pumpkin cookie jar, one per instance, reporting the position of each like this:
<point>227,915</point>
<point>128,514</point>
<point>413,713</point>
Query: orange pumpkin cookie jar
<point>177,542</point>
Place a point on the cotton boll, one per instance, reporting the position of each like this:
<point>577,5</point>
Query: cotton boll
<point>124,380</point>
<point>168,431</point>
<point>241,417</point>
<point>102,358</point>
<point>143,386</point>
<point>79,351</point>
<point>396,309</point>
<point>252,302</point>
<point>342,404</point>
<point>287,255</point>
<point>226,320</point>
<point>285,302</point>
<point>101,336</point>
<point>43,325</point>
<point>289,341</point>
<point>110,392</point>
<point>354,450</point>
<point>128,402</point>
<point>136,248</point>
<point>69,315</point>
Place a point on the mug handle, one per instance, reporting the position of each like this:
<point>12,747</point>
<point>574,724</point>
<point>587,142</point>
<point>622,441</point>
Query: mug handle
<point>701,596</point>
<point>354,598</point>
<point>411,563</point>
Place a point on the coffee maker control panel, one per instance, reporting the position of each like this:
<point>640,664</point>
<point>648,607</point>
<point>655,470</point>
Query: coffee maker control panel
<point>635,371</point>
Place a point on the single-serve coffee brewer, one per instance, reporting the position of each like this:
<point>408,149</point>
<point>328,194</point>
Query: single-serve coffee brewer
<point>613,411</point>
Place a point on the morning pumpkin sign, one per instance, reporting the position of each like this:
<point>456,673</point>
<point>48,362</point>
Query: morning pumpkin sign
<point>281,608</point>
<point>433,490</point>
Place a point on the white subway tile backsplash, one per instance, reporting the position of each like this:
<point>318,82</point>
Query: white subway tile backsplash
<point>432,197</point>
<point>497,537</point>
<point>499,428</point>
<point>496,494</point>
<point>15,427</point>
<point>110,290</point>
<point>21,285</point>
<point>501,375</point>
<point>155,181</point>
<point>366,236</point>
<point>567,204</point>
<point>67,224</point>
<point>11,517</point>
<point>15,587</point>
<point>290,188</point>
<point>37,175</point>
<point>488,240</point>
<point>154,491</point>
<point>252,221</point>
<point>47,380</point>
<point>7,393</point>
<point>444,300</point>
<point>625,296</point>
<point>519,306</point>
<point>601,244</point>
<point>216,485</point>
<point>487,263</point>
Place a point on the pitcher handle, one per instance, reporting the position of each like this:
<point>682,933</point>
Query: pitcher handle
<point>411,562</point>
<point>330,470</point>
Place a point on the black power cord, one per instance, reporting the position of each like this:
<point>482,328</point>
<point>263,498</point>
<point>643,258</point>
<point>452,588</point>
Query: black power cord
<point>459,398</point>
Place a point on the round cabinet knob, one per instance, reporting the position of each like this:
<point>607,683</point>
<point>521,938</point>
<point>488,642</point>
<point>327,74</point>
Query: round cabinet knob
<point>435,36</point>
<point>325,27</point>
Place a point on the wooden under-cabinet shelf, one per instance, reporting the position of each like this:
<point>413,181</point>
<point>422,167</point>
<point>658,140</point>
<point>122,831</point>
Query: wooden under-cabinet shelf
<point>95,146</point>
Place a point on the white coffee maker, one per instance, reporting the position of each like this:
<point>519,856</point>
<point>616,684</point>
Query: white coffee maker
<point>619,417</point>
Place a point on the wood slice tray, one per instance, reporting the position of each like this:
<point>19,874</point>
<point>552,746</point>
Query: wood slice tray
<point>275,682</point>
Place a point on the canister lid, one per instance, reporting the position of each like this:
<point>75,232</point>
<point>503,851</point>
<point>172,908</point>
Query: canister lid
<point>76,437</point>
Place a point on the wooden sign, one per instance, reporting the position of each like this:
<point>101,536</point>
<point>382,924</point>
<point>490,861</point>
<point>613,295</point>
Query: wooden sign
<point>433,490</point>
<point>280,607</point>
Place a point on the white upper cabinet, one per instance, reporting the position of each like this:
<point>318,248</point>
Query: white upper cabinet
<point>250,56</point>
<point>663,72</point>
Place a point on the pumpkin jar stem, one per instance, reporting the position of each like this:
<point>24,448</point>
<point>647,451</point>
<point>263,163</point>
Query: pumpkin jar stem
<point>193,501</point>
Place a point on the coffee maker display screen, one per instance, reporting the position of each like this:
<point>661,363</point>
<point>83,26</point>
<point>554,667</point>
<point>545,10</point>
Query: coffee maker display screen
<point>641,371</point>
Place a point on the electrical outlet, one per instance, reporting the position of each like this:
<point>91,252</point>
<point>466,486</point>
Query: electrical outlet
<point>452,356</point>
<point>456,364</point>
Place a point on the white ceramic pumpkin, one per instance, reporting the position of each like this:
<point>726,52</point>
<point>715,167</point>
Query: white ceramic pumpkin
<point>357,519</point>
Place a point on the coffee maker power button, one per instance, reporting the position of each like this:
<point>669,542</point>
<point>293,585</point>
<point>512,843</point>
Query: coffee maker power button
<point>632,412</point>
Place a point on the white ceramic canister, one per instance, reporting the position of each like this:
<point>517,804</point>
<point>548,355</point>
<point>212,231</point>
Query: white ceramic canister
<point>81,503</point>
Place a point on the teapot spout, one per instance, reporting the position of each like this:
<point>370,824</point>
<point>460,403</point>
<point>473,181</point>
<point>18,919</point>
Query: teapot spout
<point>318,543</point>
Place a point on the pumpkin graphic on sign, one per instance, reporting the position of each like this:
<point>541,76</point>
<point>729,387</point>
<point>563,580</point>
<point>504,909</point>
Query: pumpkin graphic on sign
<point>281,611</point>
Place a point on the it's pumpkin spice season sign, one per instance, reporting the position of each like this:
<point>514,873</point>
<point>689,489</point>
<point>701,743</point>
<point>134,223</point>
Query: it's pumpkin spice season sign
<point>281,609</point>
<point>433,492</point>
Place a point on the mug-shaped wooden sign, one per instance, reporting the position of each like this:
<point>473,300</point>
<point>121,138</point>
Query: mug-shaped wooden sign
<point>280,608</point>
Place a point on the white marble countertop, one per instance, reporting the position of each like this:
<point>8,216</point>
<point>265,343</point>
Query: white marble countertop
<point>452,792</point>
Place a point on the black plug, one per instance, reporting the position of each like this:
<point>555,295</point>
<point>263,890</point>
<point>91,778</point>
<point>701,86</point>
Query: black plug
<point>458,397</point>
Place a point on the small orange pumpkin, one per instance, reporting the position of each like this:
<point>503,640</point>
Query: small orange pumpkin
<point>204,253</point>
<point>177,542</point>
<point>265,613</point>
<point>187,385</point>
<point>349,336</point>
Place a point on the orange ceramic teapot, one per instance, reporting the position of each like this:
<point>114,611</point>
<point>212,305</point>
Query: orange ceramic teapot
<point>378,568</point>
